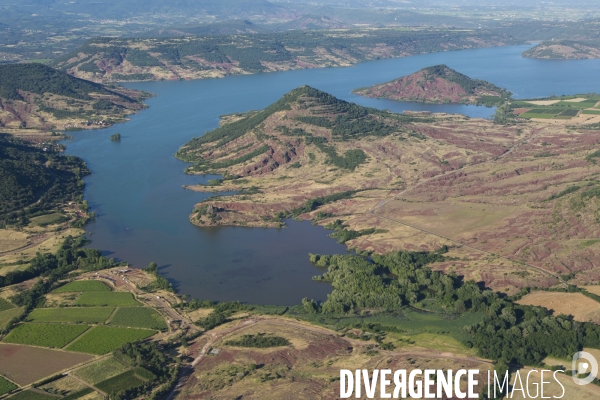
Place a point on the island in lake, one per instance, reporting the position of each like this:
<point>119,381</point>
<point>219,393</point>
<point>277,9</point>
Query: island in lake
<point>437,84</point>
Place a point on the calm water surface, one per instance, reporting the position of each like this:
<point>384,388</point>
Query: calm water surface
<point>136,185</point>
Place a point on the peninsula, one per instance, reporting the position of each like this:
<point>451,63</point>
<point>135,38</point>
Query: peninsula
<point>499,195</point>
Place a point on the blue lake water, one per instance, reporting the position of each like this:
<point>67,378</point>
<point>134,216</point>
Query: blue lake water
<point>136,185</point>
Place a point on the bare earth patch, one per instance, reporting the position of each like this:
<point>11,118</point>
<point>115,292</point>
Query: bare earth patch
<point>22,365</point>
<point>582,308</point>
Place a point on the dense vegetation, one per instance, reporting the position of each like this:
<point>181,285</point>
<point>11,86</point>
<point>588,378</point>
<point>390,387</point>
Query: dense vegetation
<point>39,78</point>
<point>260,340</point>
<point>70,256</point>
<point>160,282</point>
<point>164,369</point>
<point>508,332</point>
<point>34,181</point>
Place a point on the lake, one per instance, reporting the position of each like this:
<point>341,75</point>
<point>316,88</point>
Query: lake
<point>136,185</point>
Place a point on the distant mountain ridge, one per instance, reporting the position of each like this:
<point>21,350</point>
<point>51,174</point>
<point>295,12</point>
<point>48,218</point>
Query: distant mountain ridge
<point>199,57</point>
<point>437,84</point>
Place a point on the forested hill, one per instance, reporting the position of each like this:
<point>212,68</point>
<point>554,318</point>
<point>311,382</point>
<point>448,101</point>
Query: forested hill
<point>35,181</point>
<point>437,84</point>
<point>40,79</point>
<point>195,57</point>
<point>40,97</point>
<point>257,142</point>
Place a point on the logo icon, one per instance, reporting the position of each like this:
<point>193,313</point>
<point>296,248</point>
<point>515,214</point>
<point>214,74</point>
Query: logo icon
<point>581,367</point>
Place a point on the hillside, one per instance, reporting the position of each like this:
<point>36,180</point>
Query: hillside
<point>500,195</point>
<point>35,96</point>
<point>36,181</point>
<point>192,57</point>
<point>437,84</point>
<point>565,50</point>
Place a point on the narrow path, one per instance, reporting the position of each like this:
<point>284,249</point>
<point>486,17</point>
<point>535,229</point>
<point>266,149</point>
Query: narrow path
<point>34,242</point>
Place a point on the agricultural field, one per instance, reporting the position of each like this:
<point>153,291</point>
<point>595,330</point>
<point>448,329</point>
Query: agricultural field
<point>101,339</point>
<point>7,315</point>
<point>582,308</point>
<point>49,219</point>
<point>46,335</point>
<point>82,315</point>
<point>565,107</point>
<point>31,395</point>
<point>138,317</point>
<point>6,386</point>
<point>595,289</point>
<point>124,381</point>
<point>21,364</point>
<point>83,286</point>
<point>61,299</point>
<point>5,305</point>
<point>100,371</point>
<point>116,299</point>
<point>65,386</point>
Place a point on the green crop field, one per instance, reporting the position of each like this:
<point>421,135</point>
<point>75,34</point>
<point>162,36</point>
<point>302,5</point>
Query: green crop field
<point>46,335</point>
<point>594,112</point>
<point>138,317</point>
<point>83,286</point>
<point>90,315</point>
<point>6,386</point>
<point>81,394</point>
<point>569,113</point>
<point>100,371</point>
<point>102,339</point>
<point>5,305</point>
<point>117,299</point>
<point>408,321</point>
<point>7,315</point>
<point>49,219</point>
<point>31,395</point>
<point>563,109</point>
<point>532,115</point>
<point>126,380</point>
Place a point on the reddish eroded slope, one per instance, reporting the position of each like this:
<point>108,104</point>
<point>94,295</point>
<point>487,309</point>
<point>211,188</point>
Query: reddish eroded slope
<point>437,84</point>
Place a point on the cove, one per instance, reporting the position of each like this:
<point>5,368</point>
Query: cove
<point>136,185</point>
